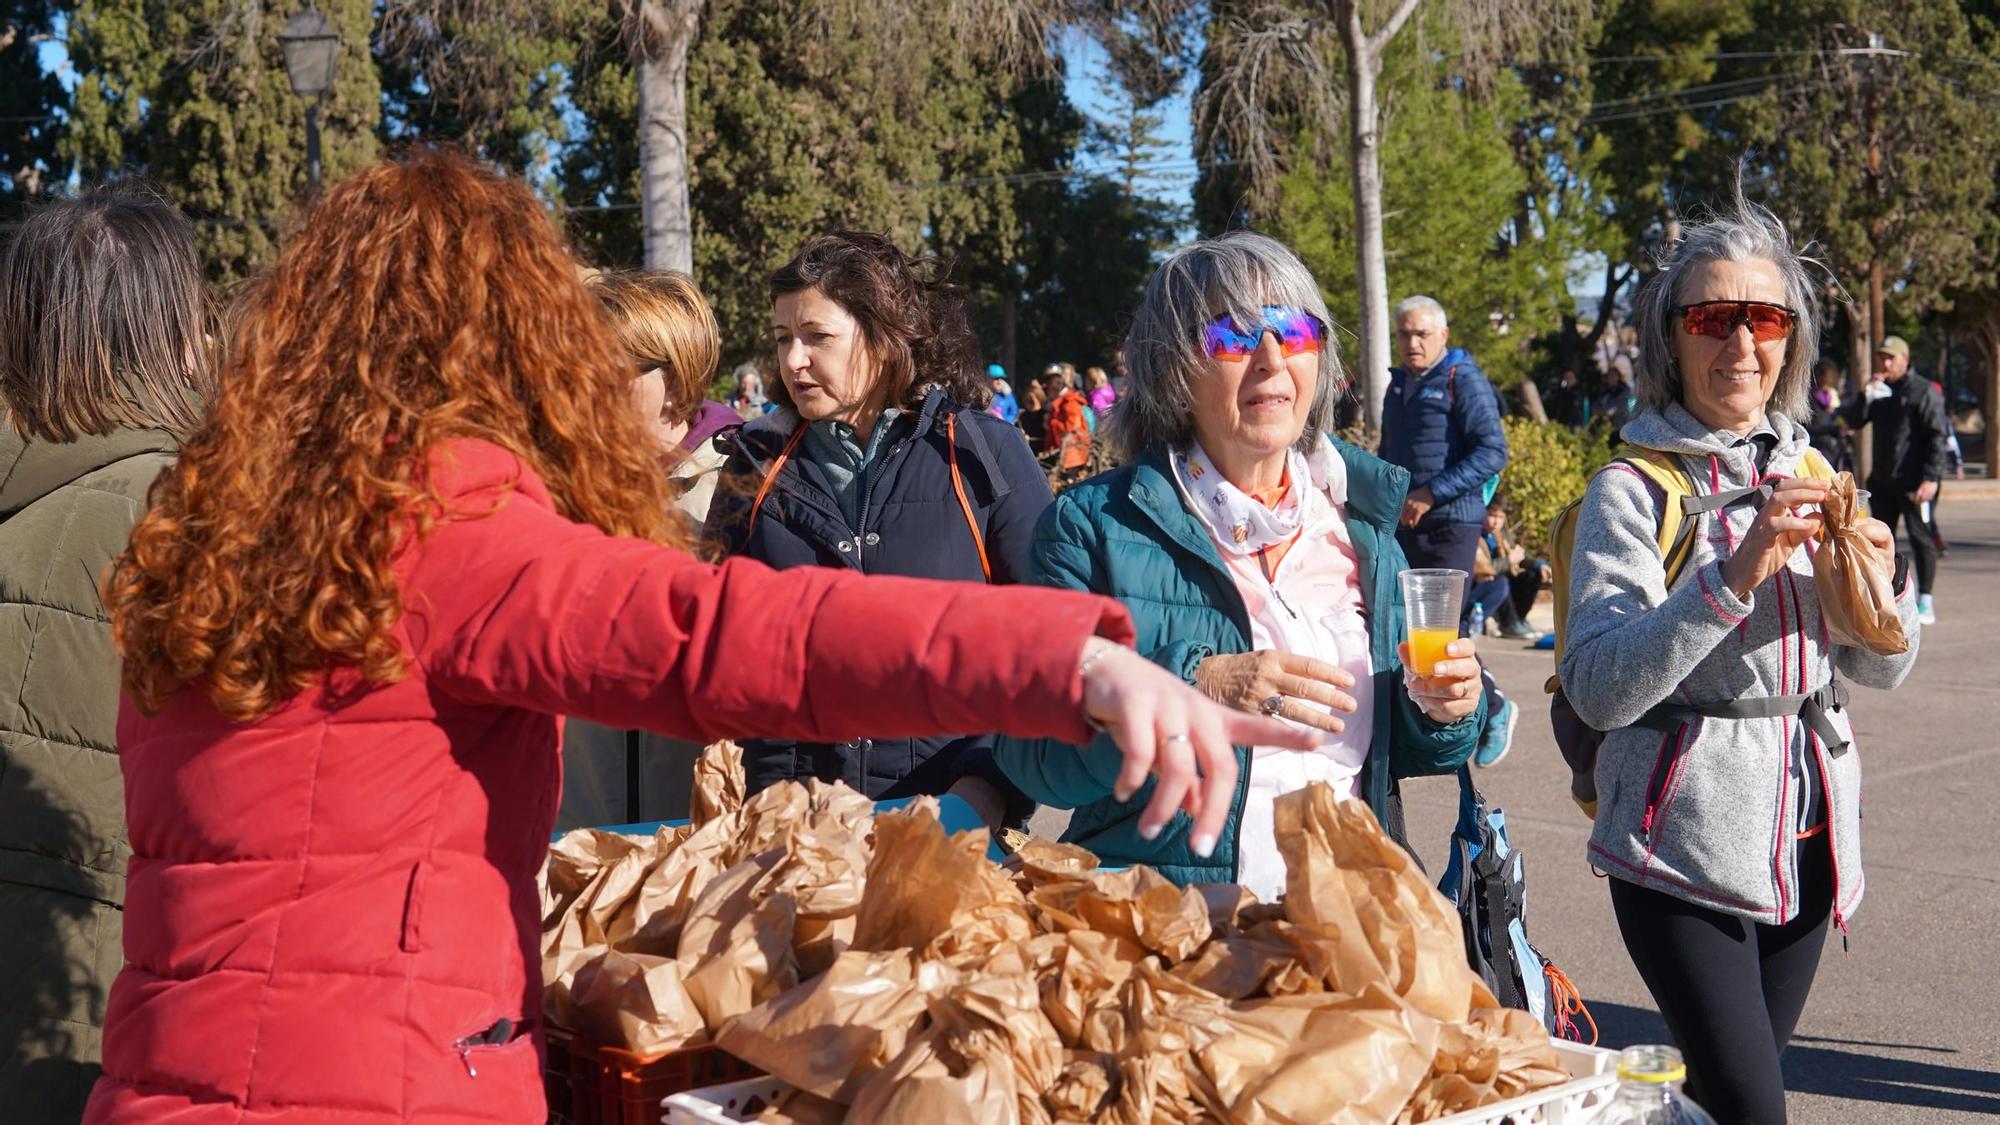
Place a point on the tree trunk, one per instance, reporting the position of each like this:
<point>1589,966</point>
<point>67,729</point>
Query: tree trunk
<point>1531,402</point>
<point>1371,267</point>
<point>1878,325</point>
<point>667,28</point>
<point>1862,356</point>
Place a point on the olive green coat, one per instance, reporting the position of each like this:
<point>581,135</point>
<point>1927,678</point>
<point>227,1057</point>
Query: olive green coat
<point>65,511</point>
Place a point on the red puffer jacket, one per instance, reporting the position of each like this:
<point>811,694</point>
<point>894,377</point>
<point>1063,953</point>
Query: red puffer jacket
<point>332,910</point>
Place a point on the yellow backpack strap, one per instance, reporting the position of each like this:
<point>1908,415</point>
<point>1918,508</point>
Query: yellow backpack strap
<point>1676,536</point>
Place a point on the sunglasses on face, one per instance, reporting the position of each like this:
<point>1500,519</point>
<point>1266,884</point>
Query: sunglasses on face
<point>1297,330</point>
<point>1718,320</point>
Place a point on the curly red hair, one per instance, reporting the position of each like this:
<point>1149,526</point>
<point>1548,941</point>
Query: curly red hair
<point>426,299</point>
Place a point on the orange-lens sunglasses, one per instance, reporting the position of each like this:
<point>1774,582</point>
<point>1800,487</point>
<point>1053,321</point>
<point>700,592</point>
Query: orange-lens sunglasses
<point>1718,320</point>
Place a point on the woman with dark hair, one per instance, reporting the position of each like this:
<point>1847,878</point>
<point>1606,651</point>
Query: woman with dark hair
<point>105,368</point>
<point>424,522</point>
<point>884,460</point>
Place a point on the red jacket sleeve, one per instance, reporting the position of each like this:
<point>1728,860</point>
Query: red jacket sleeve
<point>522,607</point>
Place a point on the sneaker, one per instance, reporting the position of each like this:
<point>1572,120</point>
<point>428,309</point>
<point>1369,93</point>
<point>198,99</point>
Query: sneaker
<point>1520,631</point>
<point>1498,737</point>
<point>1925,614</point>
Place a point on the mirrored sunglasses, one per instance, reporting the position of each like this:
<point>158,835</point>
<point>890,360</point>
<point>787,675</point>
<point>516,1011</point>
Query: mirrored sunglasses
<point>1719,320</point>
<point>1297,330</point>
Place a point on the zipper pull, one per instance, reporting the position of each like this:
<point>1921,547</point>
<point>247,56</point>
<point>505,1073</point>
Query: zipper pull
<point>465,1056</point>
<point>1840,920</point>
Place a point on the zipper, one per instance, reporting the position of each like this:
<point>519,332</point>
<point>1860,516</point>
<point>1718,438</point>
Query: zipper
<point>1665,766</point>
<point>1832,853</point>
<point>868,494</point>
<point>499,1034</point>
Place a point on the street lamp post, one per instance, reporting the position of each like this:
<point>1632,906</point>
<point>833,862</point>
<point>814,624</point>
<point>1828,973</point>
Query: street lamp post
<point>311,49</point>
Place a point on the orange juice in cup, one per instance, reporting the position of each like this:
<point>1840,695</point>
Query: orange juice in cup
<point>1427,647</point>
<point>1431,604</point>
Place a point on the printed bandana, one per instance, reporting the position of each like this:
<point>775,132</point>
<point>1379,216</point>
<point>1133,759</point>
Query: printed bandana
<point>1241,524</point>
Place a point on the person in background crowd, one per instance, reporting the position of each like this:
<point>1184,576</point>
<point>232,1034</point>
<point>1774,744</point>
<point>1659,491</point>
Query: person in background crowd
<point>1120,378</point>
<point>1441,421</point>
<point>1957,473</point>
<point>671,335</point>
<point>1505,582</point>
<point>423,522</point>
<point>1004,406</point>
<point>105,369</point>
<point>1067,428</point>
<point>1616,402</point>
<point>1826,427</point>
<point>1099,391</point>
<point>883,460</point>
<point>1034,419</point>
<point>626,776</point>
<point>1729,819</point>
<point>1568,405</point>
<point>1259,559</point>
<point>750,396</point>
<point>1911,456</point>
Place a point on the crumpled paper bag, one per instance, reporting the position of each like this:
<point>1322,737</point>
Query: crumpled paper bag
<point>737,944</point>
<point>1500,1053</point>
<point>830,1034</point>
<point>1363,898</point>
<point>635,1001</point>
<point>1321,1058</point>
<point>986,1055</point>
<point>1856,592</point>
<point>937,893</point>
<point>1138,904</point>
<point>718,783</point>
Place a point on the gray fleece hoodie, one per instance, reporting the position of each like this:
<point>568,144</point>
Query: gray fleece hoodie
<point>1709,812</point>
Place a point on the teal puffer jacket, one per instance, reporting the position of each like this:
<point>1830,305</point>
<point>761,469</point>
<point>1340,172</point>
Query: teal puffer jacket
<point>1126,533</point>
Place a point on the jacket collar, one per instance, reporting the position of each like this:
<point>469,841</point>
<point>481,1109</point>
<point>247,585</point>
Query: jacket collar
<point>772,431</point>
<point>1375,493</point>
<point>30,470</point>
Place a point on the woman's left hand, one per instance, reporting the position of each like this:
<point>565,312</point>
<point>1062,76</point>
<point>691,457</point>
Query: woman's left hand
<point>1451,691</point>
<point>1881,539</point>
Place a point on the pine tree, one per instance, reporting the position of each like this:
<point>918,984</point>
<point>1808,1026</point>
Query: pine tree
<point>193,94</point>
<point>1128,132</point>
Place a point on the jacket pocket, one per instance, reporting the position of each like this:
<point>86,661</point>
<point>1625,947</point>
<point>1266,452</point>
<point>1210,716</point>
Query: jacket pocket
<point>412,940</point>
<point>1666,767</point>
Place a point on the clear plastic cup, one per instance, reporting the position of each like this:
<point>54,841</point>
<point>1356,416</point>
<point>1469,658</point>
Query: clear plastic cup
<point>1432,602</point>
<point>1861,509</point>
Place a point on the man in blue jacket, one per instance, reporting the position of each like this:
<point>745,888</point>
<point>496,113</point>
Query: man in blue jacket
<point>1441,421</point>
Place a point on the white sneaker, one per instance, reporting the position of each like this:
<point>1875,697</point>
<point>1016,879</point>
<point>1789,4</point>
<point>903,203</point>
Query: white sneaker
<point>1926,614</point>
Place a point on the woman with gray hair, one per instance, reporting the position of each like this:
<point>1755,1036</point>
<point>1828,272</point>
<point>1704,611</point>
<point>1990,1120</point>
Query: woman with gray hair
<point>1258,557</point>
<point>1729,791</point>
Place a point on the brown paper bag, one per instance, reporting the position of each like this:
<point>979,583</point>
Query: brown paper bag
<point>1362,895</point>
<point>832,1033</point>
<point>634,1001</point>
<point>935,893</point>
<point>1501,1053</point>
<point>1856,592</point>
<point>736,947</point>
<point>718,783</point>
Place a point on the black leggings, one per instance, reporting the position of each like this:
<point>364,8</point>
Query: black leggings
<point>1894,508</point>
<point>1731,991</point>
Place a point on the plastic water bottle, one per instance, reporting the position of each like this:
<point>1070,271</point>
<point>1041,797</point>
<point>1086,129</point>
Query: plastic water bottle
<point>1476,624</point>
<point>1649,1091</point>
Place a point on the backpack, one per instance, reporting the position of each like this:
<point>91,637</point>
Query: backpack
<point>1486,882</point>
<point>1679,516</point>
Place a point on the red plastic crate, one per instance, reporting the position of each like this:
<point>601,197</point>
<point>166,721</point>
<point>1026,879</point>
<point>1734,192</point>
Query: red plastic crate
<point>589,1083</point>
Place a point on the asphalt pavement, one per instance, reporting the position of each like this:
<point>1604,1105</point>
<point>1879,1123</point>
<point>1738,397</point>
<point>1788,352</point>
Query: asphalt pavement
<point>1904,1027</point>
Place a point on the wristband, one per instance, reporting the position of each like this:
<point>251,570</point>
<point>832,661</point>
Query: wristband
<point>1082,669</point>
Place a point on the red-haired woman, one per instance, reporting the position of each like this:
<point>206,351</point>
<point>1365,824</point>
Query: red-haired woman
<point>424,522</point>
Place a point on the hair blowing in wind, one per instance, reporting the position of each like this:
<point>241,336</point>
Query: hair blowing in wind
<point>426,299</point>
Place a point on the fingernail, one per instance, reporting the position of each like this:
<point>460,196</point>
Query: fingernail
<point>1151,832</point>
<point>1204,845</point>
<point>1123,793</point>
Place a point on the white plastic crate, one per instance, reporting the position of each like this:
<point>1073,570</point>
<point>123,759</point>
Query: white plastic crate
<point>1593,1081</point>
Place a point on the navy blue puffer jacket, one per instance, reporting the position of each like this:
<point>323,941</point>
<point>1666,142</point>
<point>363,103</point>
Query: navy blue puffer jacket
<point>911,525</point>
<point>1444,427</point>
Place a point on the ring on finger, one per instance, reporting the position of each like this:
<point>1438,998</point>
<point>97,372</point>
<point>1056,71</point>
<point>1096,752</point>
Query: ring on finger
<point>1273,706</point>
<point>1173,738</point>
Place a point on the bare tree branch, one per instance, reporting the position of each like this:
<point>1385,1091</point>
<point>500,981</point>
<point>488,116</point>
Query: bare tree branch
<point>1379,42</point>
